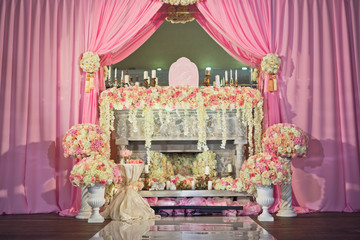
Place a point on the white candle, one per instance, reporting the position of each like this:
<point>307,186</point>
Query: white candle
<point>146,74</point>
<point>146,168</point>
<point>109,73</point>
<point>122,74</point>
<point>217,81</point>
<point>193,185</point>
<point>229,167</point>
<point>127,78</point>
<point>231,74</point>
<point>207,170</point>
<point>168,185</point>
<point>236,74</point>
<point>137,84</point>
<point>209,185</point>
<point>226,76</point>
<point>115,72</point>
<point>153,74</point>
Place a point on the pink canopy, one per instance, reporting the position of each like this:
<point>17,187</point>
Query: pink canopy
<point>42,87</point>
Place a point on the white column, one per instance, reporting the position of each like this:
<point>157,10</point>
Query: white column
<point>286,209</point>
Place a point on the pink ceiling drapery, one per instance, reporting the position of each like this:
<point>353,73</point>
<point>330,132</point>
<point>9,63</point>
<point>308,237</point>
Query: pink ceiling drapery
<point>115,29</point>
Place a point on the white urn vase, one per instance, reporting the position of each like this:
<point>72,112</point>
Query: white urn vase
<point>265,198</point>
<point>96,200</point>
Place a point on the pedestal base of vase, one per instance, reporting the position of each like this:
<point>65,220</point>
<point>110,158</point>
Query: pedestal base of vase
<point>286,213</point>
<point>265,216</point>
<point>96,200</point>
<point>85,210</point>
<point>265,199</point>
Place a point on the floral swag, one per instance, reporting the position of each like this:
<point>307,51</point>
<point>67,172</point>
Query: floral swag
<point>90,63</point>
<point>180,2</point>
<point>270,65</point>
<point>246,101</point>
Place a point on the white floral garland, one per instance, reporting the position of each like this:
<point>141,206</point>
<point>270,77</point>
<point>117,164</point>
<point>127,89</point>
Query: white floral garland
<point>90,62</point>
<point>270,63</point>
<point>207,158</point>
<point>249,101</point>
<point>180,2</point>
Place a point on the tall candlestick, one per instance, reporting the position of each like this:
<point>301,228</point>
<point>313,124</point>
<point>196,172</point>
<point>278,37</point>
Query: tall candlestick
<point>153,74</point>
<point>229,167</point>
<point>127,78</point>
<point>231,74</point>
<point>236,74</point>
<point>226,76</point>
<point>146,74</point>
<point>207,170</point>
<point>122,74</point>
<point>217,81</point>
<point>115,72</point>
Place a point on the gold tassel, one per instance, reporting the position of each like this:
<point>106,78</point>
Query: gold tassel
<point>92,84</point>
<point>275,82</point>
<point>87,85</point>
<point>270,85</point>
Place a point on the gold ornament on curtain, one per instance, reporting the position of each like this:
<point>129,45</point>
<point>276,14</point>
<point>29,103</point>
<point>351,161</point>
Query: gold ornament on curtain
<point>90,63</point>
<point>179,14</point>
<point>270,65</point>
<point>180,2</point>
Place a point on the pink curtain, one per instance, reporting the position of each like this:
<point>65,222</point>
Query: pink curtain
<point>42,88</point>
<point>318,85</point>
<point>319,45</point>
<point>244,30</point>
<point>115,30</point>
<point>39,101</point>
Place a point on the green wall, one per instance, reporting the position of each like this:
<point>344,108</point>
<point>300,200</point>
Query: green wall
<point>172,41</point>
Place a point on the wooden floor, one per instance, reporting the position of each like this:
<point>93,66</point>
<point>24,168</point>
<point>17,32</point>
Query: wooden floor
<point>305,226</point>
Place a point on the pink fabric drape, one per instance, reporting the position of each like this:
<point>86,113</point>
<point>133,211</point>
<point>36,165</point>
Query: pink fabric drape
<point>318,85</point>
<point>116,29</point>
<point>39,101</point>
<point>319,45</point>
<point>42,89</point>
<point>244,30</point>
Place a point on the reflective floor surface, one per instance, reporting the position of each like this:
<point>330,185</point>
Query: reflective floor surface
<point>173,228</point>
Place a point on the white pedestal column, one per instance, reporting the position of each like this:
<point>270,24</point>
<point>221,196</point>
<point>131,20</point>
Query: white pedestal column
<point>286,209</point>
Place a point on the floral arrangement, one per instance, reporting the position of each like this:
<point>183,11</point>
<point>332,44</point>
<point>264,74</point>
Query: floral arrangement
<point>159,167</point>
<point>180,2</point>
<point>94,169</point>
<point>246,101</point>
<point>285,140</point>
<point>254,74</point>
<point>135,161</point>
<point>270,63</point>
<point>125,153</point>
<point>204,159</point>
<point>179,14</point>
<point>237,185</point>
<point>264,169</point>
<point>224,183</point>
<point>90,62</point>
<point>200,182</point>
<point>106,71</point>
<point>84,140</point>
<point>182,163</point>
<point>182,182</point>
<point>139,184</point>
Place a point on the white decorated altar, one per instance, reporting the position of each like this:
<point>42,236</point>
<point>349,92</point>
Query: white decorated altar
<point>185,120</point>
